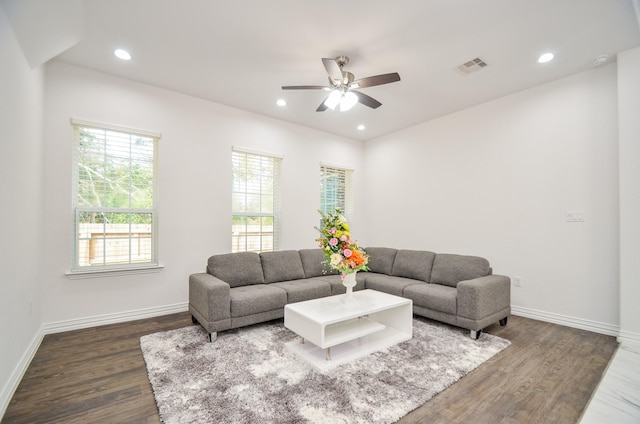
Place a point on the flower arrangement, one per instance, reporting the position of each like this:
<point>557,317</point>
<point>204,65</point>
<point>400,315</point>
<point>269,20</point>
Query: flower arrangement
<point>341,252</point>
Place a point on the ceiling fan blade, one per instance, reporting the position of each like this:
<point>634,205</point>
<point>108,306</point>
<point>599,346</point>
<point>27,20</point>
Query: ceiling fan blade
<point>367,100</point>
<point>305,87</point>
<point>322,106</point>
<point>376,80</point>
<point>333,69</point>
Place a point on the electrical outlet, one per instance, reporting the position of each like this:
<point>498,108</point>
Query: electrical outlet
<point>574,216</point>
<point>517,281</point>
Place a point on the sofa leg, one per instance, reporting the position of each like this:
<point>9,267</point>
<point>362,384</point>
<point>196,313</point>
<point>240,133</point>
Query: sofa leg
<point>212,337</point>
<point>194,320</point>
<point>475,335</point>
<point>503,321</point>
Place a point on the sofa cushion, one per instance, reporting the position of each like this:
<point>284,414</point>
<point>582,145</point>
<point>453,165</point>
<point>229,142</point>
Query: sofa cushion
<point>313,263</point>
<point>257,298</point>
<point>450,269</point>
<point>236,269</point>
<point>299,290</point>
<point>283,265</point>
<point>388,284</point>
<point>433,296</point>
<point>381,259</point>
<point>414,264</point>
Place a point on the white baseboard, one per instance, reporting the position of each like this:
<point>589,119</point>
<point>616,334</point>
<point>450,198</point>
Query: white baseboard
<point>582,324</point>
<point>76,324</point>
<point>115,318</point>
<point>628,337</point>
<point>18,372</point>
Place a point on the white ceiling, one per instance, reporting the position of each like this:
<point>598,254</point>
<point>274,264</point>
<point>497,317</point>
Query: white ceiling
<point>239,53</point>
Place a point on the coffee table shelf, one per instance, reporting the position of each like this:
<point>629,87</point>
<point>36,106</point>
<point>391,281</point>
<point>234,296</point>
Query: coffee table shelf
<point>334,332</point>
<point>355,328</point>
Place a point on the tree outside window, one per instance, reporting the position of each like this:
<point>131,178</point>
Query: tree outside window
<point>336,190</point>
<point>114,198</point>
<point>255,202</point>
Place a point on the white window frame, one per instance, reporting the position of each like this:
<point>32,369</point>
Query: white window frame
<point>128,263</point>
<point>262,210</point>
<point>342,197</point>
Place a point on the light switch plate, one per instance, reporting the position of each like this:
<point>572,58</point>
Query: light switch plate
<point>574,216</point>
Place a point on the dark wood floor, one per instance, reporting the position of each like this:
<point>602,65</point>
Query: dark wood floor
<point>98,375</point>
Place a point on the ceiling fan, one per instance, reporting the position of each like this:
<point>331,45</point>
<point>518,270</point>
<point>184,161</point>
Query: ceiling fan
<point>342,86</point>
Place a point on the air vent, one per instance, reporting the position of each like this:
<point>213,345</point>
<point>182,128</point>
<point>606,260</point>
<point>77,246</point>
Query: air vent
<point>472,66</point>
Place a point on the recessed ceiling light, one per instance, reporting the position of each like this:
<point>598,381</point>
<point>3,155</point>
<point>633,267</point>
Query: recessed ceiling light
<point>361,127</point>
<point>122,54</point>
<point>600,60</point>
<point>545,58</point>
<point>281,102</point>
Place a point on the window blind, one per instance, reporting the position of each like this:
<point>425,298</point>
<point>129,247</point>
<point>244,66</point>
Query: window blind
<point>255,202</point>
<point>336,190</point>
<point>114,197</point>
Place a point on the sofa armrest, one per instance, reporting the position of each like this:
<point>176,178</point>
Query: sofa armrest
<point>483,296</point>
<point>209,296</point>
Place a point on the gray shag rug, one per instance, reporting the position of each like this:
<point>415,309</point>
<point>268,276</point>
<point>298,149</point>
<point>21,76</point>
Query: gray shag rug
<point>249,376</point>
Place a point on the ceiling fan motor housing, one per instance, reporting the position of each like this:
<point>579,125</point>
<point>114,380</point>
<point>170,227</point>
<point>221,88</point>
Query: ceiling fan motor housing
<point>341,60</point>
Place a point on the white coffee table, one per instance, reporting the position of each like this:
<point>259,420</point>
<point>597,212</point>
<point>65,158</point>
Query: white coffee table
<point>334,331</point>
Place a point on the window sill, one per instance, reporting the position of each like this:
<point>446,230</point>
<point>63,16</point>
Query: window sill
<point>114,272</point>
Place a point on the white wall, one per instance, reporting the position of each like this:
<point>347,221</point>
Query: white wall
<point>496,180</point>
<point>629,127</point>
<point>21,101</point>
<point>195,184</point>
<point>45,29</point>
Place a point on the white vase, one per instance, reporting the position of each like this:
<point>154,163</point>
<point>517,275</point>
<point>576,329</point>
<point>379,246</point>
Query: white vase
<point>349,281</point>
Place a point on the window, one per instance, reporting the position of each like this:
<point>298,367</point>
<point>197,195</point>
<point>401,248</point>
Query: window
<point>114,197</point>
<point>336,190</point>
<point>255,202</point>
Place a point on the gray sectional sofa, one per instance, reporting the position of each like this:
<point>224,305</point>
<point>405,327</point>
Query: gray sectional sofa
<point>240,289</point>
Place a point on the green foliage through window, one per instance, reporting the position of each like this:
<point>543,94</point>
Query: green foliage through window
<point>114,197</point>
<point>336,190</point>
<point>254,202</point>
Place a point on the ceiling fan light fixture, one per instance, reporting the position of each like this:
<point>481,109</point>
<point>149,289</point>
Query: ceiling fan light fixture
<point>348,101</point>
<point>333,100</point>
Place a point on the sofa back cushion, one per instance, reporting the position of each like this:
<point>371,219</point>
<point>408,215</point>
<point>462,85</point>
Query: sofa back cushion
<point>449,269</point>
<point>381,259</point>
<point>283,265</point>
<point>313,263</point>
<point>414,264</point>
<point>237,269</point>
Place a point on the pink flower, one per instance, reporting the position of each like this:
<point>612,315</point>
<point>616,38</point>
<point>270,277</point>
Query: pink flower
<point>333,230</point>
<point>347,253</point>
<point>333,241</point>
<point>343,238</point>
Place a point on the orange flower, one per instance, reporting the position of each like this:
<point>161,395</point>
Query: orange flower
<point>357,258</point>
